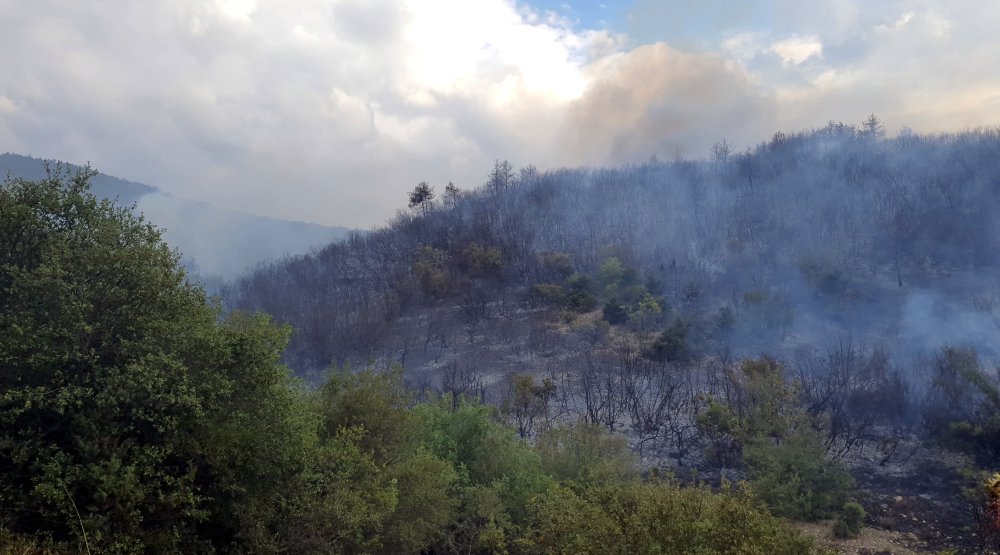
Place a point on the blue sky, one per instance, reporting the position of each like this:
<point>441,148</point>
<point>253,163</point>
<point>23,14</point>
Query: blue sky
<point>330,110</point>
<point>682,23</point>
<point>590,14</point>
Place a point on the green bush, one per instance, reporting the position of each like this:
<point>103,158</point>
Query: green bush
<point>585,453</point>
<point>558,265</point>
<point>580,296</point>
<point>850,521</point>
<point>656,517</point>
<point>781,447</point>
<point>795,478</point>
<point>549,294</point>
<point>672,344</point>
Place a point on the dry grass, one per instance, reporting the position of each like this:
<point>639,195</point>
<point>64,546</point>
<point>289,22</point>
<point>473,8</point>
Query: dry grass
<point>872,541</point>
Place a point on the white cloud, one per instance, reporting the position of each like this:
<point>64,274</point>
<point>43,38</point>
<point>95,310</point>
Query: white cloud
<point>7,105</point>
<point>324,110</point>
<point>796,50</point>
<point>329,110</point>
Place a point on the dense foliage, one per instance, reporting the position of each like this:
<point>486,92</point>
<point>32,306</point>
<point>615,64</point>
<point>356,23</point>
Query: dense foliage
<point>126,409</point>
<point>133,418</point>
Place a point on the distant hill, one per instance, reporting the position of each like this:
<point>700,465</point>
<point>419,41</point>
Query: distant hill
<point>217,243</point>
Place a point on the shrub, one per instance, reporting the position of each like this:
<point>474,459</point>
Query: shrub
<point>585,453</point>
<point>780,443</point>
<point>558,265</point>
<point>580,296</point>
<point>656,517</point>
<point>615,313</point>
<point>671,345</point>
<point>849,521</point>
<point>795,478</point>
<point>549,294</point>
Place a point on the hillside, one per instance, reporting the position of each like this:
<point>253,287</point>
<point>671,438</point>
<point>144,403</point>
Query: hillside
<point>804,240</point>
<point>783,351</point>
<point>217,243</point>
<point>135,418</point>
<point>824,302</point>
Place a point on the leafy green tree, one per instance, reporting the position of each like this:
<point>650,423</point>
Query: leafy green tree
<point>556,265</point>
<point>376,403</point>
<point>129,415</point>
<point>482,261</point>
<point>431,271</point>
<point>548,294</point>
<point>427,504</point>
<point>646,310</point>
<point>965,408</point>
<point>795,478</point>
<point>672,344</point>
<point>377,407</point>
<point>344,500</point>
<point>611,272</point>
<point>498,472</point>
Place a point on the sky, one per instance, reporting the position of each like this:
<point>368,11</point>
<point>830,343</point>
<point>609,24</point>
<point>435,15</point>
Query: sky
<point>329,111</point>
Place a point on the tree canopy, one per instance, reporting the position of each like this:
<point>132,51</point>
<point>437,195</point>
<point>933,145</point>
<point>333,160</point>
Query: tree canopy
<point>127,410</point>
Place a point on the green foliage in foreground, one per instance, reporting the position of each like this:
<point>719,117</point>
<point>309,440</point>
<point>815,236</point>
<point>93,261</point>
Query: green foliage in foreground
<point>657,517</point>
<point>134,420</point>
<point>130,417</point>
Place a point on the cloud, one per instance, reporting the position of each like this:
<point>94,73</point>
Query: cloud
<point>330,110</point>
<point>321,110</point>
<point>796,50</point>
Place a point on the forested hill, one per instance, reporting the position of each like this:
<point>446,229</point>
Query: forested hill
<point>103,186</point>
<point>217,243</point>
<point>806,239</point>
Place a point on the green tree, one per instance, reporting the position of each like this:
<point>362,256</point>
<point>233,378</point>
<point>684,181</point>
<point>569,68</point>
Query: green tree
<point>422,197</point>
<point>672,344</point>
<point>129,414</point>
<point>498,473</point>
<point>580,296</point>
<point>610,273</point>
<point>344,500</point>
<point>376,403</point>
<point>431,269</point>
<point>376,408</point>
<point>427,505</point>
